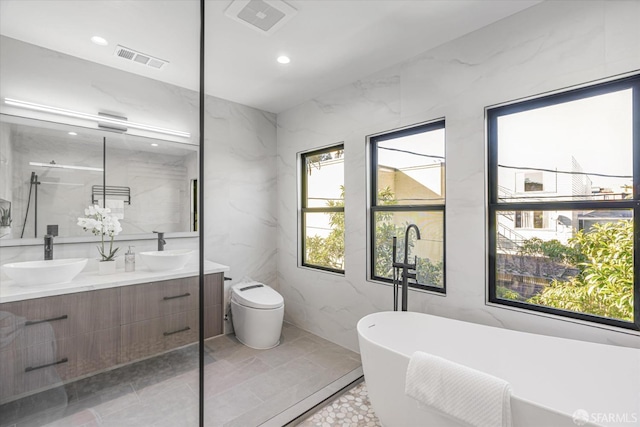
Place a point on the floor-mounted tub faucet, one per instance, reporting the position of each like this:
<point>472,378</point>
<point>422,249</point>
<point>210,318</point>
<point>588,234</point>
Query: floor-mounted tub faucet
<point>405,266</point>
<point>161,241</point>
<point>48,247</point>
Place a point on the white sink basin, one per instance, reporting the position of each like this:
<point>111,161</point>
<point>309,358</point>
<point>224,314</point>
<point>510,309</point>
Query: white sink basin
<point>45,272</point>
<point>166,260</point>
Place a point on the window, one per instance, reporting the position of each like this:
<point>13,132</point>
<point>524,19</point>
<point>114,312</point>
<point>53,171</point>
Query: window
<point>531,219</point>
<point>533,181</point>
<point>408,187</point>
<point>322,204</point>
<point>564,203</point>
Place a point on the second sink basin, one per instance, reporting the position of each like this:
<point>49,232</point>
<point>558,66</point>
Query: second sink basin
<point>45,272</point>
<point>166,260</point>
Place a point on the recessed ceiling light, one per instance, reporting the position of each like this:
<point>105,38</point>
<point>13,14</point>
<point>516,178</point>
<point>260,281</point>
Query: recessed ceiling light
<point>99,41</point>
<point>283,59</point>
<point>73,133</point>
<point>154,145</point>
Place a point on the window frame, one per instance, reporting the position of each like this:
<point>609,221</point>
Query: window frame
<point>375,208</point>
<point>305,209</point>
<point>495,206</point>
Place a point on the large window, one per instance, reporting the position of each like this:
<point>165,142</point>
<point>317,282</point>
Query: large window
<point>322,205</point>
<point>407,187</point>
<point>564,205</point>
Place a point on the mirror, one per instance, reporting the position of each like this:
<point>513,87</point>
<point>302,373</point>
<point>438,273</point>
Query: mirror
<point>51,172</point>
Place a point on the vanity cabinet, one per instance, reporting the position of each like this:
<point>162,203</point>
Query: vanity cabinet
<point>47,341</point>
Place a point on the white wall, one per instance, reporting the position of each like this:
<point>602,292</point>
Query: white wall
<point>550,46</point>
<point>6,166</point>
<point>240,147</point>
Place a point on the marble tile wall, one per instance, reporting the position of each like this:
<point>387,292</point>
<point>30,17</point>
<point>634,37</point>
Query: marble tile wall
<point>547,47</point>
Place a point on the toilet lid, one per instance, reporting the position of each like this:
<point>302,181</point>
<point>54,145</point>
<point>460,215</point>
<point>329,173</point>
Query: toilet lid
<point>256,295</point>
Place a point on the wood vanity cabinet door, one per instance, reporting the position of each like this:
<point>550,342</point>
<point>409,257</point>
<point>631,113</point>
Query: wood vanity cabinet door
<point>158,299</point>
<point>213,321</point>
<point>213,289</point>
<point>213,304</point>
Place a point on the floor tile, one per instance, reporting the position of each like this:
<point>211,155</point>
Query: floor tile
<point>243,386</point>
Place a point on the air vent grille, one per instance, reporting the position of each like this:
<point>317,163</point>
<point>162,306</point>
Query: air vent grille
<point>140,58</point>
<point>265,16</point>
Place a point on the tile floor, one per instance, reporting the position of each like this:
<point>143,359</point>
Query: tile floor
<point>243,387</point>
<point>352,409</point>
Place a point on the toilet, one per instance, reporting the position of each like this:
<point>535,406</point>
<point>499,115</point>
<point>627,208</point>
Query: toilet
<point>257,311</point>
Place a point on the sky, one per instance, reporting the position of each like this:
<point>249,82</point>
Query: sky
<point>597,131</point>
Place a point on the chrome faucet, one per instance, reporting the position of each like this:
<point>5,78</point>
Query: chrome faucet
<point>48,247</point>
<point>161,241</point>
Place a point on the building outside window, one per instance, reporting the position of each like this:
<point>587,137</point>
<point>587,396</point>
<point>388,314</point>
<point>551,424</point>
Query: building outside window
<point>563,213</point>
<point>408,187</point>
<point>322,209</point>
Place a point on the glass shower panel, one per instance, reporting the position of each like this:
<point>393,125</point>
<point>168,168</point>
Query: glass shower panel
<point>246,386</point>
<point>106,131</point>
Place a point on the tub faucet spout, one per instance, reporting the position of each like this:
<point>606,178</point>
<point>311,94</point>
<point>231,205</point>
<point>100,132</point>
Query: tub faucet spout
<point>161,241</point>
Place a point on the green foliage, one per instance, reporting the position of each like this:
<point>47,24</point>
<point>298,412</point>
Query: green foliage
<point>428,273</point>
<point>553,250</point>
<point>506,293</point>
<point>329,251</point>
<point>604,286</point>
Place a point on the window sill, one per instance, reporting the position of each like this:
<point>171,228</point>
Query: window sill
<point>610,328</point>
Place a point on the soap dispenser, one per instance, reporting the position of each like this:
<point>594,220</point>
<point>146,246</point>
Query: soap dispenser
<point>130,260</point>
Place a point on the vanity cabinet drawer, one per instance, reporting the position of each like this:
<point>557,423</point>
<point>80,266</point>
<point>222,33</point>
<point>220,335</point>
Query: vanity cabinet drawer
<point>158,299</point>
<point>66,315</point>
<point>26,319</point>
<point>148,337</point>
<point>40,366</point>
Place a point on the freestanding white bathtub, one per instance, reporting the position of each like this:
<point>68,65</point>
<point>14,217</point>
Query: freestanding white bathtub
<point>555,381</point>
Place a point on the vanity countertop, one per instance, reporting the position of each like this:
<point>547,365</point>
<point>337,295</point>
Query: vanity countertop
<point>91,281</point>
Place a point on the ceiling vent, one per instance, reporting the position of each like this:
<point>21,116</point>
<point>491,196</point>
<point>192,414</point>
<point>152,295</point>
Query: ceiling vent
<point>264,16</point>
<point>140,58</point>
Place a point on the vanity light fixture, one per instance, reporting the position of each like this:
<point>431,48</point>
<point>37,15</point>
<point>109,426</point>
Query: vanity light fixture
<point>53,164</point>
<point>284,59</point>
<point>154,145</point>
<point>93,117</point>
<point>72,133</point>
<point>99,41</point>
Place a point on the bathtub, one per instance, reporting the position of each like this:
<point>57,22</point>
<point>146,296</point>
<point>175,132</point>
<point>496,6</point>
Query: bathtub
<point>555,382</point>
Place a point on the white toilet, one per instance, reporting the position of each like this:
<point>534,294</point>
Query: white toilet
<point>257,311</point>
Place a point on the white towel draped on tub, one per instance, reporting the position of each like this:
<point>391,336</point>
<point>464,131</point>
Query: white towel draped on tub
<point>468,395</point>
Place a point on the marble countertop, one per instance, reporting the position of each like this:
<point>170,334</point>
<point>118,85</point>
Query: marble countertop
<point>91,281</point>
